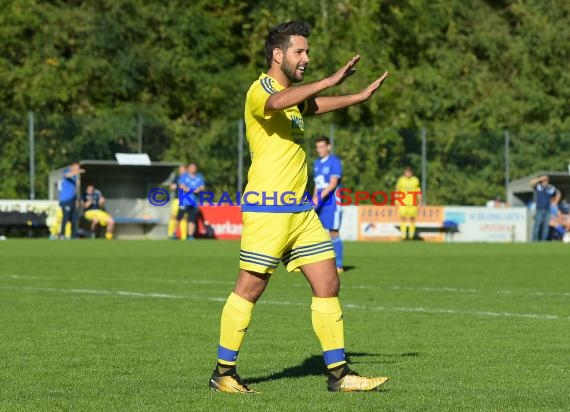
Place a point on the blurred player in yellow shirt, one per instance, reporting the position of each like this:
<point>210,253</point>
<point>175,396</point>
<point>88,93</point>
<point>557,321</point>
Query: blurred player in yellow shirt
<point>173,185</point>
<point>93,204</point>
<point>410,185</point>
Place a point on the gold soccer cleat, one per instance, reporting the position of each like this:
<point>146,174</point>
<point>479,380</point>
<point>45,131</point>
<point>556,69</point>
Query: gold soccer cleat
<point>353,382</point>
<point>228,383</point>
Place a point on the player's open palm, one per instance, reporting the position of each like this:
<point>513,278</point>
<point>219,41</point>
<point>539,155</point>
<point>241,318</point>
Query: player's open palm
<point>345,72</point>
<point>371,89</point>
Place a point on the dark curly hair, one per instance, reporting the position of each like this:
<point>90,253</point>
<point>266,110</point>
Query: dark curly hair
<point>279,37</point>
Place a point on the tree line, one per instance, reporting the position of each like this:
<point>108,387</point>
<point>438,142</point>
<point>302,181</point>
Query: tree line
<point>464,71</point>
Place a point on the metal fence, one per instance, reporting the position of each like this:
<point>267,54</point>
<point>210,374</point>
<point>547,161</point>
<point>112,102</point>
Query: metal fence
<point>456,167</point>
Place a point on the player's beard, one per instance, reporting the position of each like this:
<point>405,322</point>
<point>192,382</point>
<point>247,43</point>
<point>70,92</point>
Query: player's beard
<point>289,72</point>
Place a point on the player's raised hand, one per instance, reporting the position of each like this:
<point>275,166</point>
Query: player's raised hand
<point>371,88</point>
<point>346,71</point>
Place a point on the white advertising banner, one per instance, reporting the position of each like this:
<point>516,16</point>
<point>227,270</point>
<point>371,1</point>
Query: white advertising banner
<point>485,224</point>
<point>349,223</point>
<point>26,206</point>
<point>475,224</point>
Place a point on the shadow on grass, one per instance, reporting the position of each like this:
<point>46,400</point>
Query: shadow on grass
<point>314,366</point>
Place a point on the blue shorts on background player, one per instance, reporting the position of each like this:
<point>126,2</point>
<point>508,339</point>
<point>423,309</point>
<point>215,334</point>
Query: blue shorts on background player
<point>327,173</point>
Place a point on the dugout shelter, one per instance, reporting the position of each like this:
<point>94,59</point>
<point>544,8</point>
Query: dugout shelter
<point>125,188</point>
<point>520,193</point>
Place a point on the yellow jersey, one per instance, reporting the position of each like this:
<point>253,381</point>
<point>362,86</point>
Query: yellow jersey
<point>277,178</point>
<point>409,184</point>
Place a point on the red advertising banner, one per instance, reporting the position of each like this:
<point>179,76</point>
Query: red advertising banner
<point>225,220</point>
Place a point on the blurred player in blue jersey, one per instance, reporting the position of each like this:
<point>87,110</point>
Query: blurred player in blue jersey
<point>68,199</point>
<point>327,173</point>
<point>194,182</point>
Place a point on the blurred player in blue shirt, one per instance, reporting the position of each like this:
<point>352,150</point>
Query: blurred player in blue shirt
<point>327,173</point>
<point>194,182</point>
<point>544,193</point>
<point>68,200</point>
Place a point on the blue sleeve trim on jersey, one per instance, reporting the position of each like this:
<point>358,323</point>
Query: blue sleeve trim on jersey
<point>227,354</point>
<point>333,356</point>
<point>267,86</point>
<point>276,208</point>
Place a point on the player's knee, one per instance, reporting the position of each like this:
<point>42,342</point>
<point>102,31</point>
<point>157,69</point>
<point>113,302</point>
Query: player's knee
<point>332,288</point>
<point>328,289</point>
<point>250,285</point>
<point>334,233</point>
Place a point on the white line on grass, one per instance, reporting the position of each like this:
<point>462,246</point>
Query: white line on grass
<point>97,292</point>
<point>26,277</point>
<point>456,312</point>
<point>446,289</point>
<point>404,288</point>
<point>288,303</point>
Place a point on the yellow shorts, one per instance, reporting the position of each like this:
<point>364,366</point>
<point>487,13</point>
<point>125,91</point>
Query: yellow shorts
<point>296,239</point>
<point>408,211</point>
<point>99,215</point>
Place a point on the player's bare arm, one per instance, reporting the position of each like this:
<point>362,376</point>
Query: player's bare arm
<point>537,180</point>
<point>326,104</point>
<point>292,96</point>
<point>330,188</point>
<point>74,172</point>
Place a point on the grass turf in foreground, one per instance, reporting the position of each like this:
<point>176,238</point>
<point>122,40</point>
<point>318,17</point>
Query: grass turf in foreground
<point>134,326</point>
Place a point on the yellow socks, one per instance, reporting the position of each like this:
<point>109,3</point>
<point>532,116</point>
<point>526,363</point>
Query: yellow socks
<point>235,320</point>
<point>108,236</point>
<point>183,229</point>
<point>172,223</point>
<point>328,324</point>
<point>412,229</point>
<point>404,229</point>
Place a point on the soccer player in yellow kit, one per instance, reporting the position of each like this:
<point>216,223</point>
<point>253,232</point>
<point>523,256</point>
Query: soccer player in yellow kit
<point>410,185</point>
<point>277,224</point>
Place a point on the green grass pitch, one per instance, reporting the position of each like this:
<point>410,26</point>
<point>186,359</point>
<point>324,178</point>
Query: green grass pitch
<point>133,325</point>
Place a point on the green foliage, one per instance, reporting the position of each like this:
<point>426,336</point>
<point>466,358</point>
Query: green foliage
<point>464,71</point>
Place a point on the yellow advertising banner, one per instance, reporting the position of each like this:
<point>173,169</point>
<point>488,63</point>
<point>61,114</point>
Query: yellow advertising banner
<point>383,223</point>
